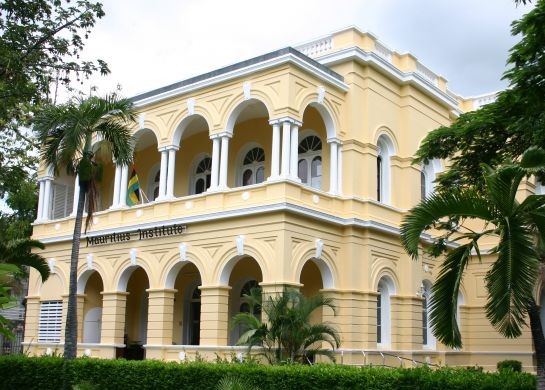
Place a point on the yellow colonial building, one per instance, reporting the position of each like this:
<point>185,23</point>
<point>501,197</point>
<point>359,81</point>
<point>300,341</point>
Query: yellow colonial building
<point>291,169</point>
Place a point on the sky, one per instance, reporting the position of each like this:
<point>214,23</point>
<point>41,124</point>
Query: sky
<point>150,44</point>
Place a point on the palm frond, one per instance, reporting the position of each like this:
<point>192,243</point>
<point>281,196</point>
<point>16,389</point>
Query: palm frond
<point>444,296</point>
<point>458,203</point>
<point>511,279</point>
<point>502,186</point>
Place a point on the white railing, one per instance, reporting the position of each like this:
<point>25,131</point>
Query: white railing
<point>317,47</point>
<point>383,51</point>
<point>426,73</point>
<point>483,100</point>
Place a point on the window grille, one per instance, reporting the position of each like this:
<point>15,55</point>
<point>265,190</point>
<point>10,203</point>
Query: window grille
<point>49,328</point>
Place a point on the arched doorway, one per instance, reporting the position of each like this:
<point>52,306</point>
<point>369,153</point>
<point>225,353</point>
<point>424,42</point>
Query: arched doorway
<point>136,314</point>
<point>146,166</point>
<point>245,275</point>
<point>187,306</point>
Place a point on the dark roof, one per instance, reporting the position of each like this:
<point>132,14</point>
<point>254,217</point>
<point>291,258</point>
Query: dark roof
<point>239,65</point>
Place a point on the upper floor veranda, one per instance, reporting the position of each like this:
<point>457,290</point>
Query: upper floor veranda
<point>331,138</point>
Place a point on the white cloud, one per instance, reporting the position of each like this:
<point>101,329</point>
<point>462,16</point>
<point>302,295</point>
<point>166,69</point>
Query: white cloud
<point>152,44</point>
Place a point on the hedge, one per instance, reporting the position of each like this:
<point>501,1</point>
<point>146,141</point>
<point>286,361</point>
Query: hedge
<point>46,373</point>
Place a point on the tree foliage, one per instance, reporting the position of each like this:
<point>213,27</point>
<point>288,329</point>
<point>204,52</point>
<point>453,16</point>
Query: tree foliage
<point>504,129</point>
<point>40,43</point>
<point>511,278</point>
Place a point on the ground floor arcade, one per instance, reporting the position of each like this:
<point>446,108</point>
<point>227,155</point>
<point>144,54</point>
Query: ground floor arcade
<point>174,296</point>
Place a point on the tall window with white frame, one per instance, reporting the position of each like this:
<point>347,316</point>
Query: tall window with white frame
<point>423,189</point>
<point>309,167</point>
<point>428,339</point>
<point>379,178</point>
<point>385,289</point>
<point>202,176</point>
<point>253,167</point>
<point>385,150</point>
<point>379,317</point>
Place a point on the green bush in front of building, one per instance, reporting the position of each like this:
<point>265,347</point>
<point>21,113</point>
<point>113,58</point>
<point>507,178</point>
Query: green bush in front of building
<point>46,373</point>
<point>514,365</point>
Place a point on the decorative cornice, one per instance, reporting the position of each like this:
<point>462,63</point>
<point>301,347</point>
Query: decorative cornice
<point>415,78</point>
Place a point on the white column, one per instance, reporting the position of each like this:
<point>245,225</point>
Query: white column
<point>117,186</point>
<point>41,195</point>
<point>123,186</point>
<point>340,169</point>
<point>286,129</point>
<point>47,199</point>
<point>333,166</point>
<point>76,197</point>
<point>214,180</point>
<point>163,174</point>
<point>171,171</point>
<point>275,155</point>
<point>294,152</point>
<point>224,160</point>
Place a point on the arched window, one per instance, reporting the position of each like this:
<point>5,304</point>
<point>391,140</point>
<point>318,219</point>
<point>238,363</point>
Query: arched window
<point>253,167</point>
<point>428,340</point>
<point>310,161</point>
<point>202,176</point>
<point>379,178</point>
<point>385,290</point>
<point>385,151</point>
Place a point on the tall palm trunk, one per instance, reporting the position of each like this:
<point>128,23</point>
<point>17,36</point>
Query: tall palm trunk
<point>71,330</point>
<point>539,343</point>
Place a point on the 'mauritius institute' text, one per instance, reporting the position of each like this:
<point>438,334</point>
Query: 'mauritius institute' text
<point>140,234</point>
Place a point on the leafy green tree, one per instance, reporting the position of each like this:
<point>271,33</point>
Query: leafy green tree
<point>512,276</point>
<point>66,133</point>
<point>40,43</point>
<point>500,131</point>
<point>288,333</point>
<point>504,129</point>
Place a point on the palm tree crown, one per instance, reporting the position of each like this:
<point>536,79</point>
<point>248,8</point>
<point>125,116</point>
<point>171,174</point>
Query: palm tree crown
<point>66,133</point>
<point>511,278</point>
<point>288,333</point>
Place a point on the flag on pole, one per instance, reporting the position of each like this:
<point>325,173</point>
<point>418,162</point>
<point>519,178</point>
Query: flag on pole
<point>133,188</point>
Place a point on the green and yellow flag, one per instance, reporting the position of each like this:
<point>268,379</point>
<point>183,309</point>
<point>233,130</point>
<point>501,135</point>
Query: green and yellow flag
<point>133,188</point>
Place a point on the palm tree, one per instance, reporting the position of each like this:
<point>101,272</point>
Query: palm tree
<point>66,133</point>
<point>511,278</point>
<point>288,334</point>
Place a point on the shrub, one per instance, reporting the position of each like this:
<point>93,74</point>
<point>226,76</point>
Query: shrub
<point>46,373</point>
<point>513,365</point>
